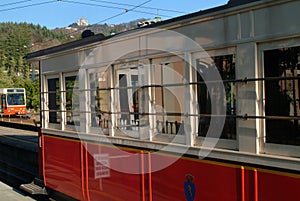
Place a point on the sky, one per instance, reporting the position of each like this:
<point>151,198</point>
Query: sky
<point>61,13</point>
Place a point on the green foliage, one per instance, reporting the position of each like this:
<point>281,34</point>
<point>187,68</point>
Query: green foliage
<point>32,93</point>
<point>17,40</point>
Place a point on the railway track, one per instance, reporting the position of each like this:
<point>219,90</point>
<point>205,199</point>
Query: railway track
<point>19,156</point>
<point>30,124</point>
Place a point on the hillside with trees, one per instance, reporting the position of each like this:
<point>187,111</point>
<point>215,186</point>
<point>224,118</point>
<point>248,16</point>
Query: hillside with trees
<point>16,40</point>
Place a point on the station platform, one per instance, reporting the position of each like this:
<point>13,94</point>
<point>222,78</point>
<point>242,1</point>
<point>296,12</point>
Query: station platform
<point>8,193</point>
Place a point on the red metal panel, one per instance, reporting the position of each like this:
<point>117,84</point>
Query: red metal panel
<point>277,187</point>
<point>62,166</point>
<point>71,168</point>
<point>222,182</point>
<point>213,182</point>
<point>121,184</point>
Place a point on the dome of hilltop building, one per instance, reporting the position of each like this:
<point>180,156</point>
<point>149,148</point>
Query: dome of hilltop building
<point>82,22</point>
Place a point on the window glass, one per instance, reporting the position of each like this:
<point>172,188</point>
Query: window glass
<point>54,100</point>
<point>128,94</point>
<point>100,99</point>
<point>226,67</point>
<point>169,96</point>
<point>72,101</point>
<point>16,99</point>
<point>282,69</point>
<point>132,98</point>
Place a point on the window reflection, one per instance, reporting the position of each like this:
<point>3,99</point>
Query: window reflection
<point>128,93</point>
<point>169,95</point>
<point>72,101</point>
<point>54,100</point>
<point>226,68</point>
<point>100,100</point>
<point>282,95</point>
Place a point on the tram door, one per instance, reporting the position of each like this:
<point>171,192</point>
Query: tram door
<point>2,103</point>
<point>129,100</point>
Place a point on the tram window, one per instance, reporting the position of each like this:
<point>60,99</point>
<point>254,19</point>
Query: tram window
<point>100,100</point>
<point>16,99</point>
<point>226,67</point>
<point>72,101</point>
<point>54,100</point>
<point>128,93</point>
<point>169,93</point>
<point>131,98</point>
<point>282,108</point>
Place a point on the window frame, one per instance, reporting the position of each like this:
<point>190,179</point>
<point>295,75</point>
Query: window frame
<point>268,147</point>
<point>65,125</point>
<point>222,143</point>
<point>167,137</point>
<point>95,129</point>
<point>46,112</point>
<point>125,68</point>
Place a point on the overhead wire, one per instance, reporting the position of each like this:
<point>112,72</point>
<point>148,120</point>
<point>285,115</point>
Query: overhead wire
<point>29,5</point>
<point>145,7</point>
<point>89,4</point>
<point>13,3</point>
<point>72,1</point>
<point>114,16</point>
<point>125,10</point>
<point>111,17</point>
<point>112,7</point>
<point>129,10</point>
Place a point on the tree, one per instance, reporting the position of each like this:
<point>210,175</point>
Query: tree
<point>32,93</point>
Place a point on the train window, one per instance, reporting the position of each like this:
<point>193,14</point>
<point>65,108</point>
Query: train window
<point>53,101</point>
<point>282,108</point>
<point>100,100</point>
<point>16,99</point>
<point>130,95</point>
<point>226,68</point>
<point>71,112</point>
<point>169,95</point>
<point>127,85</point>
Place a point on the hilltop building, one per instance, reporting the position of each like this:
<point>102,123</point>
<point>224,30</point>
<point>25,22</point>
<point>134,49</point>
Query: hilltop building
<point>82,22</point>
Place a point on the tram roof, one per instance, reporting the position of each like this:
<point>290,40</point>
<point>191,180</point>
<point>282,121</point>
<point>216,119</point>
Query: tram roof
<point>100,37</point>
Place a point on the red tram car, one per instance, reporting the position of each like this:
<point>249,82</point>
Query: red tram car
<point>12,101</point>
<point>200,107</point>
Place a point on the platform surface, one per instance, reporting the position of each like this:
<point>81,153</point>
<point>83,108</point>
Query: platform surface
<point>8,193</point>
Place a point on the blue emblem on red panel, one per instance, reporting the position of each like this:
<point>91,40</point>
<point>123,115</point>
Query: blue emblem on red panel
<point>189,188</point>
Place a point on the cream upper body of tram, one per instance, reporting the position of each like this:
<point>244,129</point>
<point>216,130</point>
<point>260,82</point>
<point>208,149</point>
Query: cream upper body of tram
<point>151,88</point>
